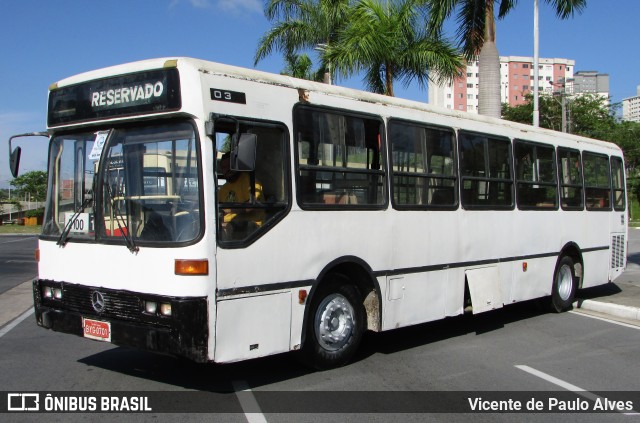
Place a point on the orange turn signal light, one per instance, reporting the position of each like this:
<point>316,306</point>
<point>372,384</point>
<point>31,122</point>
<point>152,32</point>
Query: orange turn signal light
<point>36,255</point>
<point>192,267</point>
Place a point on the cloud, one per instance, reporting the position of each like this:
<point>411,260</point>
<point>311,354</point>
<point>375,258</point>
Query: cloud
<point>198,4</point>
<point>240,6</point>
<point>230,6</point>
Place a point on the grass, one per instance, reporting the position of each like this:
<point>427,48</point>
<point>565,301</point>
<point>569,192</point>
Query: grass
<point>634,211</point>
<point>20,229</point>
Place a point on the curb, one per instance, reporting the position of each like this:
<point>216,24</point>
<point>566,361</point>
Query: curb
<point>622,311</point>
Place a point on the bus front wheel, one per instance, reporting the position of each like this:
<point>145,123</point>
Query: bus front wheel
<point>565,285</point>
<point>336,324</point>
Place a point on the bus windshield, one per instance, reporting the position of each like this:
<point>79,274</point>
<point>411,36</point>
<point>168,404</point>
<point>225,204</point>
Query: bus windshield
<point>144,190</point>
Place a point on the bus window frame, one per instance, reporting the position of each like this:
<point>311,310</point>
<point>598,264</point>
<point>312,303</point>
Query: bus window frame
<point>286,165</point>
<point>100,235</point>
<point>517,181</point>
<point>472,207</point>
<point>384,171</point>
<point>623,189</point>
<point>581,207</point>
<point>456,171</point>
<point>584,178</point>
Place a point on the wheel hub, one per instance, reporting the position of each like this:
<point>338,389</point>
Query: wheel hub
<point>334,322</point>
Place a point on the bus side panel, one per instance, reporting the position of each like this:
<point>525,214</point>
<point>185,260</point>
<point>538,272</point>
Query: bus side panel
<point>421,288</point>
<point>597,248</point>
<point>253,327</point>
<point>414,298</point>
<point>295,252</point>
<point>596,268</point>
<point>532,278</point>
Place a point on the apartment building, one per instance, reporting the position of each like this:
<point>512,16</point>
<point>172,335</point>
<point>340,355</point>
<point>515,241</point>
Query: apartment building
<point>516,80</point>
<point>631,107</point>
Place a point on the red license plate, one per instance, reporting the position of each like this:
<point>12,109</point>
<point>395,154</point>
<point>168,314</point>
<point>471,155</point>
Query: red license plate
<point>95,329</point>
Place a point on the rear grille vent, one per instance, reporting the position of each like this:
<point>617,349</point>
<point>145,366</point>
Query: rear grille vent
<point>617,251</point>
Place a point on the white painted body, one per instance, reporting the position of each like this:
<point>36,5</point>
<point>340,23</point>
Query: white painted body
<point>304,243</point>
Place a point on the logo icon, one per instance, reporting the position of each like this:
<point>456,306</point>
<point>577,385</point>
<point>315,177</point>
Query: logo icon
<point>23,402</point>
<point>97,301</point>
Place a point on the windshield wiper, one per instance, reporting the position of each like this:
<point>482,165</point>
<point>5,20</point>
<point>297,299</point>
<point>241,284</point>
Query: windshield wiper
<point>124,232</point>
<point>64,236</point>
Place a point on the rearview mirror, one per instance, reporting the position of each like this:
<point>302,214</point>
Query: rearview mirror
<point>15,153</point>
<point>14,161</point>
<point>243,152</point>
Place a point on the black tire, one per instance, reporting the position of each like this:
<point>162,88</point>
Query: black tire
<point>564,286</point>
<point>335,324</point>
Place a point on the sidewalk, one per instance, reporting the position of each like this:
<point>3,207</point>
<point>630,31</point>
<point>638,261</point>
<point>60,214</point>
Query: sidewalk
<point>619,299</point>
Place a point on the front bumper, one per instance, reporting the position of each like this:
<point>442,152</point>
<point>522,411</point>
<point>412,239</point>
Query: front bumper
<point>184,333</point>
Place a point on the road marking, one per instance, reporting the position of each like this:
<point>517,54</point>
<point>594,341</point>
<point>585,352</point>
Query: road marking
<point>248,402</point>
<point>626,325</point>
<point>566,385</point>
<point>19,240</point>
<point>15,322</point>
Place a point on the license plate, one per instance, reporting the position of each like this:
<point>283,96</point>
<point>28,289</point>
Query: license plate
<point>95,329</point>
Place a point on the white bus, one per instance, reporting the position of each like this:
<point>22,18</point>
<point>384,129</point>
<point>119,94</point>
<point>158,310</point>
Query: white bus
<point>359,212</point>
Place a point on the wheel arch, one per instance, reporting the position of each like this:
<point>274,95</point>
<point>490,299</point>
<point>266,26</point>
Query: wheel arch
<point>362,277</point>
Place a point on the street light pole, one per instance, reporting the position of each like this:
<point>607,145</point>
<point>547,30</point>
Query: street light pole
<point>563,100</point>
<point>322,47</point>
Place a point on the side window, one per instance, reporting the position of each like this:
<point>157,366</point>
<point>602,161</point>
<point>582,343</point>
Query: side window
<point>485,170</point>
<point>597,185</point>
<point>536,186</point>
<point>423,163</point>
<point>339,160</point>
<point>251,201</point>
<point>617,179</point>
<point>570,171</point>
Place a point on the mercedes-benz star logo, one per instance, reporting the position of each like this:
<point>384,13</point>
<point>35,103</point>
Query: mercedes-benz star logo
<point>97,301</point>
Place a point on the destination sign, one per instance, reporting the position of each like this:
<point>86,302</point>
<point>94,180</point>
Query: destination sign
<point>125,95</point>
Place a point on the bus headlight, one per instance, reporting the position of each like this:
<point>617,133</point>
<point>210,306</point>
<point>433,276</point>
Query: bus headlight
<point>165,309</point>
<point>150,307</point>
<point>47,292</point>
<point>57,293</point>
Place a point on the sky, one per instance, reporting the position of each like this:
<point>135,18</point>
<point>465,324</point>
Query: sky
<point>43,41</point>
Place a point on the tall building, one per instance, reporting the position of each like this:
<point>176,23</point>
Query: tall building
<point>631,107</point>
<point>516,80</point>
<point>589,82</point>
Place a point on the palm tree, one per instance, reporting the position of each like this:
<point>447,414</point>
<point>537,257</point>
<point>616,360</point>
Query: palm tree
<point>386,40</point>
<point>300,66</point>
<point>302,24</point>
<point>477,36</point>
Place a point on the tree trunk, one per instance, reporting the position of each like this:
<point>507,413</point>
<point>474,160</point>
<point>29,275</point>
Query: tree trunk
<point>388,75</point>
<point>489,69</point>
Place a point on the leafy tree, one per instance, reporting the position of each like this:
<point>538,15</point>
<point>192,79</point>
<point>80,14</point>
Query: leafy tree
<point>387,41</point>
<point>477,36</point>
<point>33,183</point>
<point>587,115</point>
<point>301,66</point>
<point>300,25</point>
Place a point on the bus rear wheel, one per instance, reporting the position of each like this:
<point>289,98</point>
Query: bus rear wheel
<point>565,285</point>
<point>336,323</point>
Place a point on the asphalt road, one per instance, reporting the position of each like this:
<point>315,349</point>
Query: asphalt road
<point>17,262</point>
<point>516,349</point>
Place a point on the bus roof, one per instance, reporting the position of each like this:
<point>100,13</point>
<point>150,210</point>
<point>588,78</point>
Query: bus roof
<point>253,75</point>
